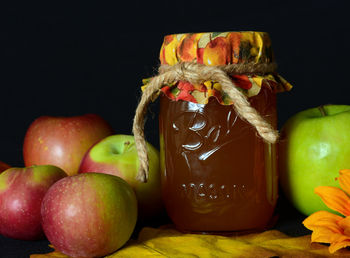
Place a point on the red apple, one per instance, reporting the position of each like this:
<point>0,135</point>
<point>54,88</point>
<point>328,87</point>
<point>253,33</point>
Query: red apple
<point>89,215</point>
<point>63,141</point>
<point>21,194</point>
<point>117,155</point>
<point>3,166</point>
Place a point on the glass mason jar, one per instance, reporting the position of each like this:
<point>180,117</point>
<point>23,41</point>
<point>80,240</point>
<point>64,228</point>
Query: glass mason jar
<point>218,175</point>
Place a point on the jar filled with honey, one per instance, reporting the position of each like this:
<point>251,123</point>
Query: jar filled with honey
<point>218,173</point>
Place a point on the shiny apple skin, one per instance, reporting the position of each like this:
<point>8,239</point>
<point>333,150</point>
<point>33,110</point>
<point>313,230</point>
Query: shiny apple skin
<point>89,215</point>
<point>63,141</point>
<point>21,193</point>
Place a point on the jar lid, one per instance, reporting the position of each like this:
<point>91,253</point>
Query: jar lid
<point>217,48</point>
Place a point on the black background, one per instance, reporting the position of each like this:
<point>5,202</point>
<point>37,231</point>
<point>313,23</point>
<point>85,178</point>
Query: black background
<point>90,58</point>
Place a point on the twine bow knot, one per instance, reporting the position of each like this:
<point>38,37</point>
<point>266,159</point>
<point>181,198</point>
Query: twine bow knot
<point>196,73</point>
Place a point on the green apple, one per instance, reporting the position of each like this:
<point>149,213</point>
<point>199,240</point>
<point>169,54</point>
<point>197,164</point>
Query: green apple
<point>117,155</point>
<point>314,146</point>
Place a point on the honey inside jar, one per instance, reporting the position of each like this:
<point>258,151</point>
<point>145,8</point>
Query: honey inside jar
<point>217,174</point>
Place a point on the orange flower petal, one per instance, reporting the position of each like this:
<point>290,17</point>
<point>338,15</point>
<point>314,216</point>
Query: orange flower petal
<point>334,198</point>
<point>326,227</point>
<point>325,235</point>
<point>338,245</point>
<point>344,180</point>
<point>345,225</point>
<point>324,219</point>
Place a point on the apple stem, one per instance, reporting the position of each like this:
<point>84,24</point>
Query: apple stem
<point>127,145</point>
<point>322,110</point>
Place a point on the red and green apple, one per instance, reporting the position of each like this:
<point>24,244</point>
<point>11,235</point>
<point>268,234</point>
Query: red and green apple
<point>63,141</point>
<point>89,215</point>
<point>117,155</point>
<point>21,193</point>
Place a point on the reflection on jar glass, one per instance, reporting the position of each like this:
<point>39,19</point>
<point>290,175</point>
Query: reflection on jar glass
<point>218,175</point>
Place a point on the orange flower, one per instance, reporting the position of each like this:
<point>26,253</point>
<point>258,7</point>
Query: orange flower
<point>328,227</point>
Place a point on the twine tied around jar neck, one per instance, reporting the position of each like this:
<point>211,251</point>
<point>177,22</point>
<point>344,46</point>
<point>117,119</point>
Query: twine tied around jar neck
<point>195,73</point>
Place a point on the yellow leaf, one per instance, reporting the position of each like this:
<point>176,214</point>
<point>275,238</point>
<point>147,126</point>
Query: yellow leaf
<point>168,242</point>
